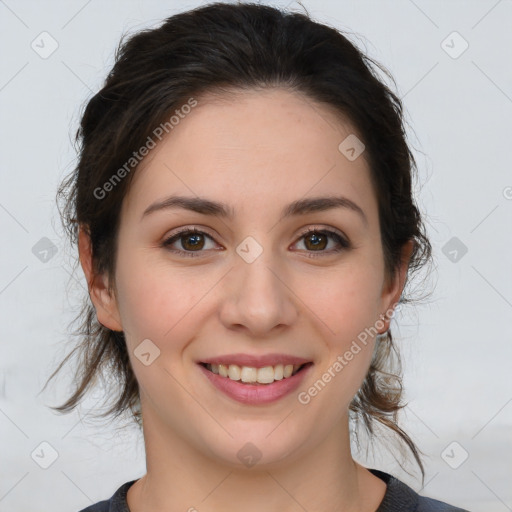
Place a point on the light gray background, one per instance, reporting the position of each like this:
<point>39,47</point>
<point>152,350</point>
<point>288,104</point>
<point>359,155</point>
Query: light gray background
<point>457,348</point>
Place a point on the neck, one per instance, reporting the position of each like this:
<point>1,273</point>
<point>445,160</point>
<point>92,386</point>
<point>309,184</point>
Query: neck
<point>182,478</point>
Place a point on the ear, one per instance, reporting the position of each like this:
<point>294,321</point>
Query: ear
<point>393,288</point>
<point>103,300</point>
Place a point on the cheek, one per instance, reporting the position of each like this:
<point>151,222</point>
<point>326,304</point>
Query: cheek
<point>345,301</point>
<point>153,299</point>
<point>345,305</point>
<point>160,305</point>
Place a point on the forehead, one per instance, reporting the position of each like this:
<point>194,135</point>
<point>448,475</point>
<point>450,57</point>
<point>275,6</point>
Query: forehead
<point>273,145</point>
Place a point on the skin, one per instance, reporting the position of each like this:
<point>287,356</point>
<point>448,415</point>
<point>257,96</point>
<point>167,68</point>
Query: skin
<point>257,152</point>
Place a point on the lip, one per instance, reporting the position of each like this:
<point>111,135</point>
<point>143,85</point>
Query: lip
<point>255,361</point>
<point>250,394</point>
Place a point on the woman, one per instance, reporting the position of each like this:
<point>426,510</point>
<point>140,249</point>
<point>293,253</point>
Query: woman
<point>243,211</point>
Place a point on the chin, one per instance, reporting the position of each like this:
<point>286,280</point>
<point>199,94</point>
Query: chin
<point>255,448</point>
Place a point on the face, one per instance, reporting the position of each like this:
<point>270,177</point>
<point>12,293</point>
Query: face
<point>264,281</point>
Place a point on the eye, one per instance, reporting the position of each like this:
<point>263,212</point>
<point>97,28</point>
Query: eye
<point>318,239</point>
<point>191,241</point>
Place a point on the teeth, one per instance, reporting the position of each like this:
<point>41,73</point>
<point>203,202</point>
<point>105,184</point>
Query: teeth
<point>266,375</point>
<point>248,374</point>
<point>234,372</point>
<point>251,375</point>
<point>278,372</point>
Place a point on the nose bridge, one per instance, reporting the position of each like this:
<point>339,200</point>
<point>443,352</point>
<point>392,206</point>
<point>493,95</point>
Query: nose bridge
<point>258,281</point>
<point>257,297</point>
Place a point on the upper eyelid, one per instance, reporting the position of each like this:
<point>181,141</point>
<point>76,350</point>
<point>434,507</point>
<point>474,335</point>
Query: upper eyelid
<point>187,230</point>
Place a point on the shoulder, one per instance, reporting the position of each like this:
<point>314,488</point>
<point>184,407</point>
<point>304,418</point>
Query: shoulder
<point>117,503</point>
<point>399,496</point>
<point>432,505</point>
<point>101,506</point>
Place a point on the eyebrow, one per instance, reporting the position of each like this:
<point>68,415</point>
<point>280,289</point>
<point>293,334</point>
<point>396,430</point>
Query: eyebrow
<point>217,209</point>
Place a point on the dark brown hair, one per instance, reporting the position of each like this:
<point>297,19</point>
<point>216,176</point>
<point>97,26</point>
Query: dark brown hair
<point>221,48</point>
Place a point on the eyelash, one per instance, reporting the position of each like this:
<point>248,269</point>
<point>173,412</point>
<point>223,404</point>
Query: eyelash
<point>192,254</point>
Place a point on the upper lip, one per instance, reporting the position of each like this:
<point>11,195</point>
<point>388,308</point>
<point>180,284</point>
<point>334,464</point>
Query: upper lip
<point>255,361</point>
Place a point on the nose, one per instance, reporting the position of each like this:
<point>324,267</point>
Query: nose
<point>257,298</point>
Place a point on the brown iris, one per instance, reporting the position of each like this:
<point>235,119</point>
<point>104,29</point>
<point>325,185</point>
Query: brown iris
<point>319,240</point>
<point>197,241</point>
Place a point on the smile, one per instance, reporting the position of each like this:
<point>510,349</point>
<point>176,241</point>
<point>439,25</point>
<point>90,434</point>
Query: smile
<point>253,375</point>
<point>254,386</point>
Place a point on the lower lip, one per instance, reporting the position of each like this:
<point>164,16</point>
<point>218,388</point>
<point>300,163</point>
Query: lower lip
<point>256,394</point>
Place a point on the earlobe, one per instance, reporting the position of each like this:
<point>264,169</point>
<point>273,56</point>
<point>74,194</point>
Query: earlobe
<point>103,300</point>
